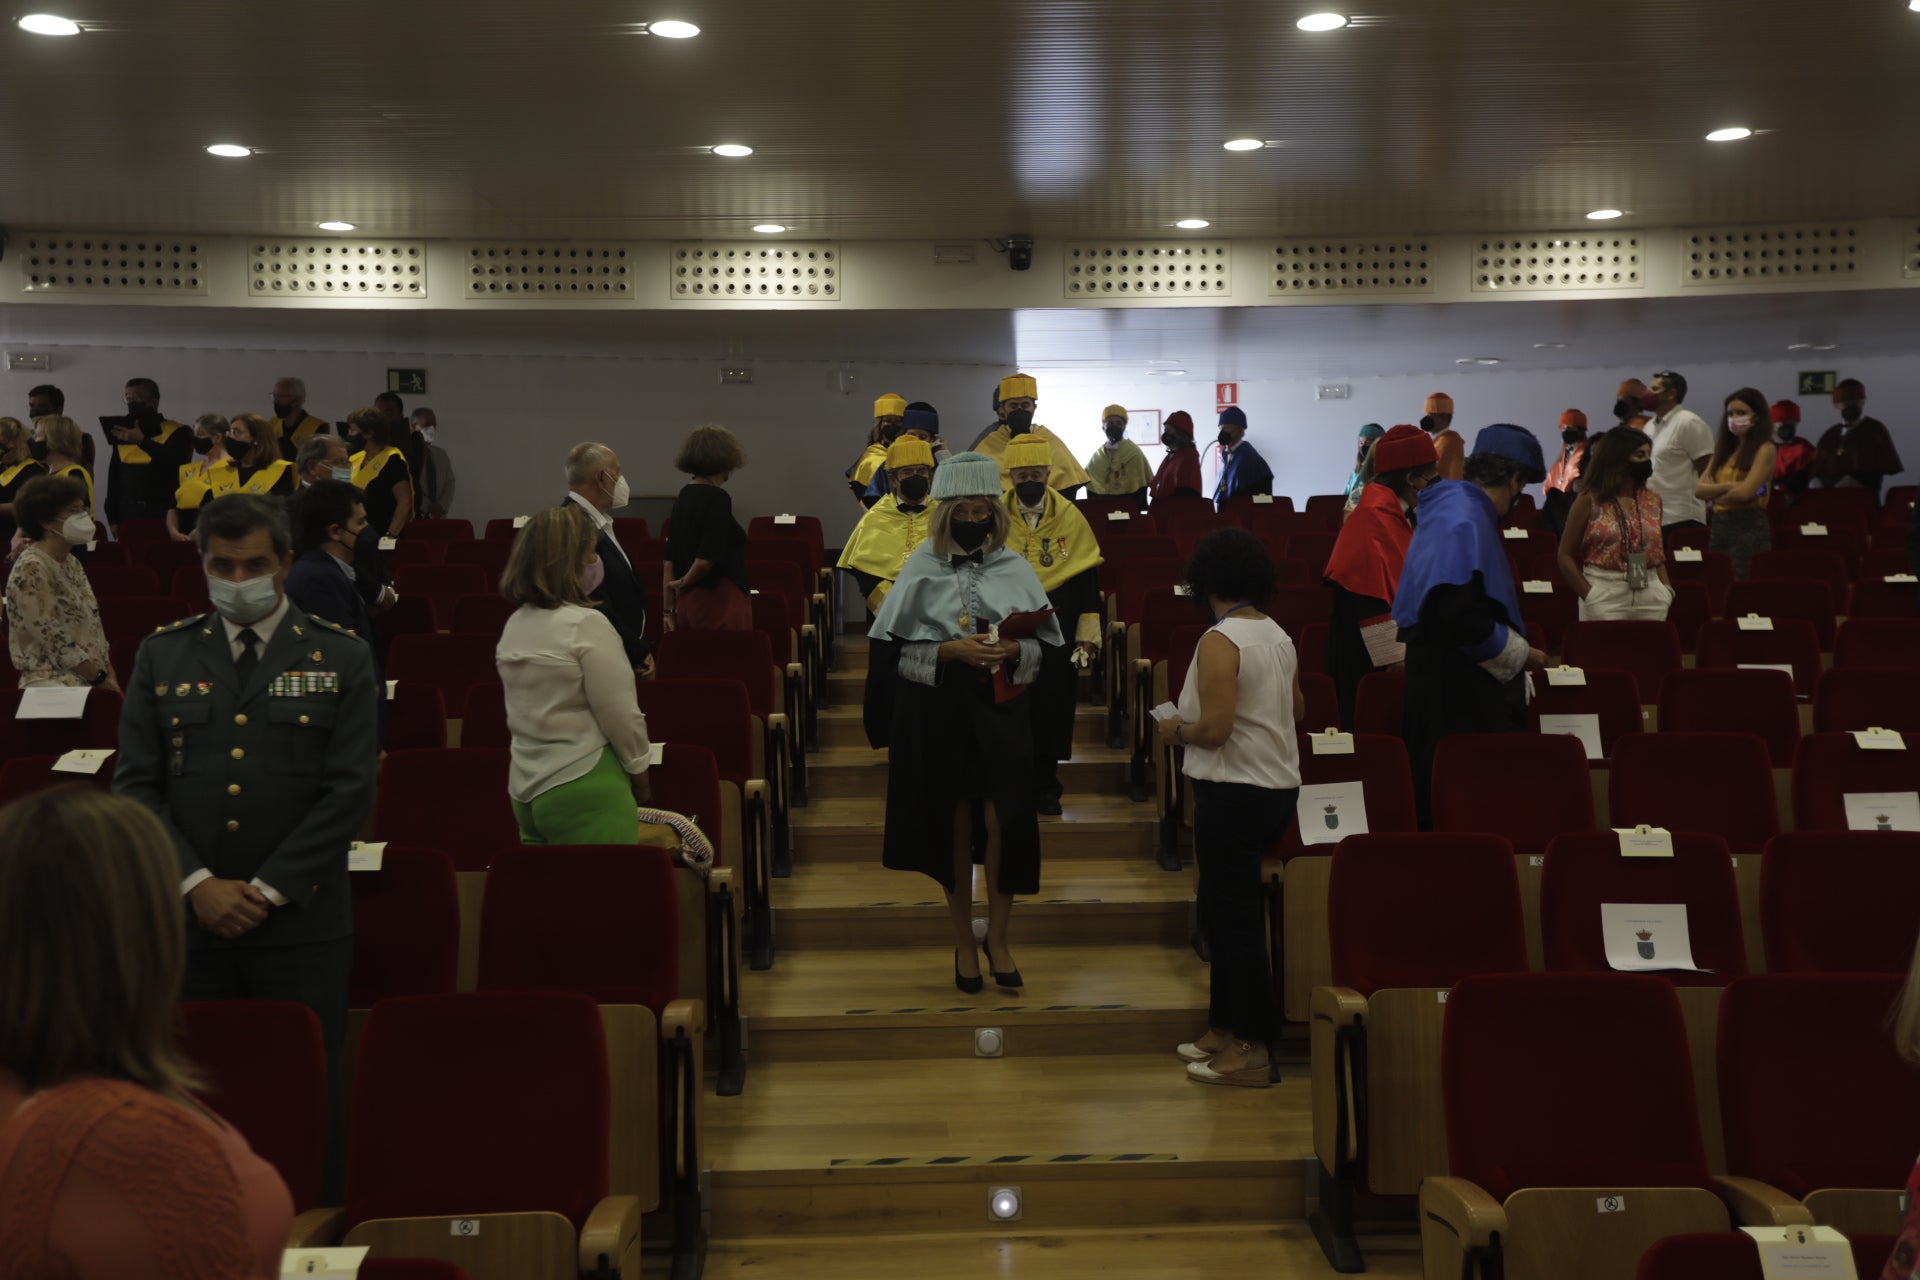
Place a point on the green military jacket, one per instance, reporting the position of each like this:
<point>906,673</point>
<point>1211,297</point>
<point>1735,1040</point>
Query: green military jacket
<point>273,780</point>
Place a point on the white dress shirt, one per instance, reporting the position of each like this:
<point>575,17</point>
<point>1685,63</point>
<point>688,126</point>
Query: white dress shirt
<point>1679,439</point>
<point>570,694</point>
<point>603,522</point>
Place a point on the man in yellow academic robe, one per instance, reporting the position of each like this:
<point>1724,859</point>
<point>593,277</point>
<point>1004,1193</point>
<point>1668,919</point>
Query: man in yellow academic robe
<point>1057,541</point>
<point>889,411</point>
<point>896,525</point>
<point>1018,396</point>
<point>1117,468</point>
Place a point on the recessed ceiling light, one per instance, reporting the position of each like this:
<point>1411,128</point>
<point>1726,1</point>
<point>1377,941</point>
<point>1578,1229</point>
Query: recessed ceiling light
<point>673,29</point>
<point>1732,133</point>
<point>1166,373</point>
<point>1825,346</point>
<point>1549,346</point>
<point>1244,144</point>
<point>1799,346</point>
<point>1478,360</point>
<point>49,24</point>
<point>769,228</point>
<point>334,226</point>
<point>231,150</point>
<point>1322,22</point>
<point>1604,215</point>
<point>1914,5</point>
<point>1192,224</point>
<point>732,149</point>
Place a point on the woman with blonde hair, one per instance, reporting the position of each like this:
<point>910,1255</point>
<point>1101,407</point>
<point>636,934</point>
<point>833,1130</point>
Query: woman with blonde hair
<point>108,1166</point>
<point>65,450</point>
<point>580,748</point>
<point>17,466</point>
<point>706,545</point>
<point>209,475</point>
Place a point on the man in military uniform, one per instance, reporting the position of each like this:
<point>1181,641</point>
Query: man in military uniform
<point>251,732</point>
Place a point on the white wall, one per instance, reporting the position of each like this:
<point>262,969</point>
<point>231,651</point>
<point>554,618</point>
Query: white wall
<point>1310,444</point>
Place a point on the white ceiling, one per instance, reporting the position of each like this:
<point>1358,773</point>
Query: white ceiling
<point>955,118</point>
<point>1223,342</point>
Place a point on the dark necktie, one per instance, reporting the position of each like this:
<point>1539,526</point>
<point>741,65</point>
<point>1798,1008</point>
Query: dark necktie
<point>249,656</point>
<point>976,557</point>
<point>907,509</point>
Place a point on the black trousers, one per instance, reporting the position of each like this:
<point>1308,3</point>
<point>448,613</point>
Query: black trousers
<point>315,974</point>
<point>1234,825</point>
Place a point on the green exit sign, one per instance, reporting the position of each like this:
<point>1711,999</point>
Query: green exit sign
<point>407,382</point>
<point>1818,383</point>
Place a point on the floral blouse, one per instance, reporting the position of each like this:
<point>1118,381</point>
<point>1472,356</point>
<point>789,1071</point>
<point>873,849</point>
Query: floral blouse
<point>53,622</point>
<point>1617,526</point>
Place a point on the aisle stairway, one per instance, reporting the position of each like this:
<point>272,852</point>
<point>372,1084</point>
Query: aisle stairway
<point>870,1134</point>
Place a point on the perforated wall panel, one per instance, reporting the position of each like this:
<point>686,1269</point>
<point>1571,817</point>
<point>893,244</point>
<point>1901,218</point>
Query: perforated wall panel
<point>1557,260</point>
<point>1912,252</point>
<point>1741,255</point>
<point>1306,268</point>
<point>711,272</point>
<point>337,268</point>
<point>518,270</point>
<point>56,262</point>
<point>1143,269</point>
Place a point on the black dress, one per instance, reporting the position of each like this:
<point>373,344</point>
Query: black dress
<point>1448,692</point>
<point>381,502</point>
<point>1348,661</point>
<point>704,529</point>
<point>1055,692</point>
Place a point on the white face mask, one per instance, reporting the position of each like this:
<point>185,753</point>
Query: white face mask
<point>343,474</point>
<point>621,494</point>
<point>426,433</point>
<point>78,529</point>
<point>243,603</point>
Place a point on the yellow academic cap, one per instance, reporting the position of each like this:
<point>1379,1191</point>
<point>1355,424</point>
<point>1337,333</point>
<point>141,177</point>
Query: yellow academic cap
<point>909,451</point>
<point>1028,451</point>
<point>1113,411</point>
<point>890,406</point>
<point>1017,385</point>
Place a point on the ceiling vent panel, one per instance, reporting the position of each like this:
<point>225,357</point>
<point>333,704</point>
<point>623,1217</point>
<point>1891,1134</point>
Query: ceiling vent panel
<point>1752,255</point>
<point>1143,269</point>
<point>1314,268</point>
<point>1558,261</point>
<point>720,272</point>
<point>337,268</point>
<point>521,270</point>
<point>53,262</point>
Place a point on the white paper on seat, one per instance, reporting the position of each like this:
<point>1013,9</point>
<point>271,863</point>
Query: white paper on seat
<point>1332,811</point>
<point>388,544</point>
<point>520,522</point>
<point>1536,587</point>
<point>1883,810</point>
<point>1564,677</point>
<point>1331,743</point>
<point>786,519</point>
<point>1900,577</point>
<point>1647,937</point>
<point>1687,555</point>
<point>367,856</point>
<point>323,1262</point>
<point>1584,726</point>
<point>656,753</point>
<point>1645,842</point>
<point>1813,531</point>
<point>85,761</point>
<point>1262,499</point>
<point>1754,622</point>
<point>392,687</point>
<point>1803,1253</point>
<point>1182,589</point>
<point>1877,739</point>
<point>1766,666</point>
<point>53,702</point>
<point>1119,515</point>
<point>1514,535</point>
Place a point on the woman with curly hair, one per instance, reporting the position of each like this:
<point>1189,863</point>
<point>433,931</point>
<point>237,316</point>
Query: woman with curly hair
<point>706,544</point>
<point>1236,720</point>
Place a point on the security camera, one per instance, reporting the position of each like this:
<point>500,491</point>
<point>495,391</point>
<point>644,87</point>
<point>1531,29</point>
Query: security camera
<point>1020,252</point>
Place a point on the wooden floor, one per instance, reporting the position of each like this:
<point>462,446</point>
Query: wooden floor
<point>870,1133</point>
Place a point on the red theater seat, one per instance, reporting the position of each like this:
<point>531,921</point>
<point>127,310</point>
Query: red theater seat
<point>1528,788</point>
<point>1872,598</point>
<point>1831,766</point>
<point>265,1066</point>
<point>406,927</point>
<point>1383,931</point>
<point>489,557</point>
<point>1611,697</point>
<point>481,616</point>
<point>444,531</point>
<point>451,663</point>
<point>1892,644</point>
<point>1734,1256</point>
<point>24,775</point>
<point>443,584</point>
<point>454,800</point>
<point>1813,601</point>
<point>1649,650</point>
<point>111,584</point>
<point>1380,706</point>
<point>1379,764</point>
<point>1756,702</point>
<point>1840,902</point>
<point>1793,642</point>
<point>98,726</point>
<point>1582,872</point>
<point>1713,571</point>
<point>1709,782</point>
<point>416,717</point>
<point>1864,698</point>
<point>485,724</point>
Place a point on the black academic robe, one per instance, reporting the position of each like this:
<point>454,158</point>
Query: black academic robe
<point>1448,692</point>
<point>1348,661</point>
<point>948,743</point>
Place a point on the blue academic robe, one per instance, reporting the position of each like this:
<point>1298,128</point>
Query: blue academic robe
<point>1246,472</point>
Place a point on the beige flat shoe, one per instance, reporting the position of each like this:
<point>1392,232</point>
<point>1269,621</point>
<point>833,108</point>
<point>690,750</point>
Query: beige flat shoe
<point>1248,1077</point>
<point>1192,1052</point>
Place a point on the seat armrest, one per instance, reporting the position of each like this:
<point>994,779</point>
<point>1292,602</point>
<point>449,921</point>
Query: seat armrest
<point>610,1231</point>
<point>1341,1006</point>
<point>317,1229</point>
<point>689,1016</point>
<point>1759,1204</point>
<point>719,878</point>
<point>1273,871</point>
<point>1464,1209</point>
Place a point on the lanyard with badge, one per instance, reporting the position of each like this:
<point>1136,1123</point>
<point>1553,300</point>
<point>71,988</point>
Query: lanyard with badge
<point>1636,560</point>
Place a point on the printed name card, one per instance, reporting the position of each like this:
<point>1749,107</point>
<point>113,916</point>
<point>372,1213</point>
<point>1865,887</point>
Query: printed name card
<point>1906,578</point>
<point>784,518</point>
<point>1119,515</point>
<point>1767,666</point>
<point>1647,937</point>
<point>1565,677</point>
<point>1262,499</point>
<point>1880,740</point>
<point>1687,555</point>
<point>1813,531</point>
<point>1754,622</point>
<point>1329,812</point>
<point>656,753</point>
<point>1585,727</point>
<point>367,856</point>
<point>53,702</point>
<point>388,544</point>
<point>1803,1253</point>
<point>1644,841</point>
<point>1514,535</point>
<point>393,687</point>
<point>1536,587</point>
<point>1883,810</point>
<point>520,522</point>
<point>87,761</point>
<point>322,1262</point>
<point>1332,743</point>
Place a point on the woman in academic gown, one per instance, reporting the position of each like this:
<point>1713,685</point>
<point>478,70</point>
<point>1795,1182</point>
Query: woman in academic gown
<point>1458,612</point>
<point>960,772</point>
<point>1365,565</point>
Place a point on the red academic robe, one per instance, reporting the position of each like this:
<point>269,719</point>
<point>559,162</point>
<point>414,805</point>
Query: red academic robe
<point>1180,469</point>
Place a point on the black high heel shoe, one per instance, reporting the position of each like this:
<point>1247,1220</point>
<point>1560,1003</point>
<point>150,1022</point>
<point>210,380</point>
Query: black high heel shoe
<point>970,986</point>
<point>1011,979</point>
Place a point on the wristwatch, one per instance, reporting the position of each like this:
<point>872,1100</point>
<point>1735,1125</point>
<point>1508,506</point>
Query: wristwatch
<point>100,679</point>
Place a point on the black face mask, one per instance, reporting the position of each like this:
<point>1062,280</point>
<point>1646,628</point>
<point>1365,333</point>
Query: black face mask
<point>1851,412</point>
<point>971,535</point>
<point>1226,440</point>
<point>282,410</point>
<point>1030,492</point>
<point>1624,409</point>
<point>38,448</point>
<point>1018,420</point>
<point>203,444</point>
<point>1640,471</point>
<point>914,488</point>
<point>238,450</point>
<point>889,434</point>
<point>140,412</point>
<point>1176,439</point>
<point>1787,431</point>
<point>1115,430</point>
<point>1571,436</point>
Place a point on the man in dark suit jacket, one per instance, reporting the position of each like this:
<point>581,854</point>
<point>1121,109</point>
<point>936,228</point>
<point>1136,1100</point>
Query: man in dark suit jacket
<point>328,519</point>
<point>252,733</point>
<point>595,483</point>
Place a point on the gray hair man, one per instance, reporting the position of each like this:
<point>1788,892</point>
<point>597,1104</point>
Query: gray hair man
<point>595,482</point>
